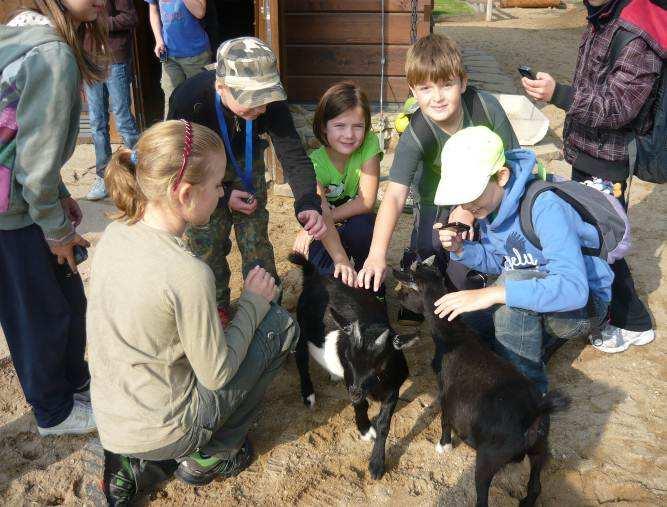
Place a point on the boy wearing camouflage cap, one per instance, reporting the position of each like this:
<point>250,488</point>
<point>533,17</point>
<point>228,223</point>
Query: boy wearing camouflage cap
<point>241,99</point>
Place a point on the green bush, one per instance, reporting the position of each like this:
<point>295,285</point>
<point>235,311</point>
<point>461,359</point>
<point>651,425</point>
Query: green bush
<point>452,7</point>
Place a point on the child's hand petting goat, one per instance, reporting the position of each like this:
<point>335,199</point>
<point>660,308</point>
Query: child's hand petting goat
<point>456,303</point>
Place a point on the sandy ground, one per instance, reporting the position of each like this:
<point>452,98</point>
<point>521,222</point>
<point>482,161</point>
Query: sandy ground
<point>610,447</point>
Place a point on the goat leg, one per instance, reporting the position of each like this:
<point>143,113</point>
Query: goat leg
<point>302,357</point>
<point>364,426</point>
<point>382,422</point>
<point>537,456</point>
<point>486,466</point>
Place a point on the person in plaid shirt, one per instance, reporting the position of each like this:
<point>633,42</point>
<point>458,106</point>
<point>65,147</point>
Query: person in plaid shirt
<point>602,104</point>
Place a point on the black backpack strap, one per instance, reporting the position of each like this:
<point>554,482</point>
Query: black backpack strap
<point>425,136</point>
<point>533,189</point>
<point>476,108</point>
<point>619,40</point>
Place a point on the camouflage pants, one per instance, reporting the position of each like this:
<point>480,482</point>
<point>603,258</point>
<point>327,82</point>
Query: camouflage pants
<point>212,242</point>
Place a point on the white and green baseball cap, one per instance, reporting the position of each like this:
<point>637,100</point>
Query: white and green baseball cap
<point>468,160</point>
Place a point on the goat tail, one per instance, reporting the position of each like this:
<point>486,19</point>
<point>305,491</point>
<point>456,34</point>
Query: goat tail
<point>300,260</point>
<point>554,401</point>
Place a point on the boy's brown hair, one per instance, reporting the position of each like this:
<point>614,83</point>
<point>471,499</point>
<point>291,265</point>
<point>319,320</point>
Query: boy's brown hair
<point>434,58</point>
<point>335,101</point>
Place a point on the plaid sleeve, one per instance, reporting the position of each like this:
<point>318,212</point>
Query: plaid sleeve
<point>618,101</point>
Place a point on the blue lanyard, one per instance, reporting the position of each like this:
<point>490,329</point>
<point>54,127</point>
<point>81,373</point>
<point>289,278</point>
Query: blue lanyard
<point>246,177</point>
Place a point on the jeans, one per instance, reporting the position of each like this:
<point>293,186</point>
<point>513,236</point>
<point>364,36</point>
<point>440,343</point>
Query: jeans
<point>43,316</point>
<point>626,311</point>
<point>521,336</point>
<point>116,88</point>
<point>177,69</point>
<point>355,234</point>
<point>225,416</point>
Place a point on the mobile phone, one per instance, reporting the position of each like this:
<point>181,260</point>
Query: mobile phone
<point>250,199</point>
<point>457,227</point>
<point>526,71</point>
<point>163,56</point>
<point>80,254</point>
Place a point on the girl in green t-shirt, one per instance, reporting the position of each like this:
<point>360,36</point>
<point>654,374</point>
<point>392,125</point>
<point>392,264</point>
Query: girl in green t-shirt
<point>347,167</point>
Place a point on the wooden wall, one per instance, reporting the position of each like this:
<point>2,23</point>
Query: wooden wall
<point>325,41</point>
<point>7,6</point>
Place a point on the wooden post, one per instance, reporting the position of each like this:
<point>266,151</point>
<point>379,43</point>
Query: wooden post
<point>489,9</point>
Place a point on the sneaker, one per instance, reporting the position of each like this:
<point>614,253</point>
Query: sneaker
<point>407,318</point>
<point>125,477</point>
<point>97,191</point>
<point>79,421</point>
<point>613,339</point>
<point>83,393</point>
<point>199,469</point>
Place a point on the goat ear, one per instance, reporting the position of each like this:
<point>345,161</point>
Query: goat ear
<point>381,340</point>
<point>430,262</point>
<point>403,341</point>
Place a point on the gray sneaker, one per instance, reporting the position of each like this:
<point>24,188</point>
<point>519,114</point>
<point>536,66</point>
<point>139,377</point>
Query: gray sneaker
<point>79,421</point>
<point>98,190</point>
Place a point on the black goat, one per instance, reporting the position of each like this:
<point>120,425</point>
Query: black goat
<point>348,333</point>
<point>490,405</point>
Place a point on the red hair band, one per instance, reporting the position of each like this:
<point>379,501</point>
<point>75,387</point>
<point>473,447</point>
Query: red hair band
<point>187,150</point>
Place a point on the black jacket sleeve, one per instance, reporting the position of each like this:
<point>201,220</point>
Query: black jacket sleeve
<point>299,170</point>
<point>563,96</point>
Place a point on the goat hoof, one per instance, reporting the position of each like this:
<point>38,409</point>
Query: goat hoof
<point>442,449</point>
<point>369,435</point>
<point>376,469</point>
<point>309,401</point>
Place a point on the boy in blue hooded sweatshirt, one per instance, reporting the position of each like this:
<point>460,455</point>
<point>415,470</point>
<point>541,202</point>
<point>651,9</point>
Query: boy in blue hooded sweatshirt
<point>540,296</point>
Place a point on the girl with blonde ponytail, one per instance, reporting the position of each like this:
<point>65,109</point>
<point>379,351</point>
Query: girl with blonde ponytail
<point>42,302</point>
<point>164,373</point>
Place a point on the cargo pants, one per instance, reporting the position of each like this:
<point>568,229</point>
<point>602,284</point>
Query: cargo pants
<point>212,242</point>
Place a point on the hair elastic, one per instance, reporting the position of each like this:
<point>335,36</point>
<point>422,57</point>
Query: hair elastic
<point>134,157</point>
<point>187,150</point>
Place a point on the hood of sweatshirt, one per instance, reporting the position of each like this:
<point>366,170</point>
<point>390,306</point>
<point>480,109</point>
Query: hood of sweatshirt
<point>521,163</point>
<point>16,42</point>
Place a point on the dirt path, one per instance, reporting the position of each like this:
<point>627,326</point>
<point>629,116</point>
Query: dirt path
<point>610,447</point>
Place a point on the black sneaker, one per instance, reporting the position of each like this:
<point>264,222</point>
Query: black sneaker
<point>125,477</point>
<point>198,469</point>
<point>407,318</point>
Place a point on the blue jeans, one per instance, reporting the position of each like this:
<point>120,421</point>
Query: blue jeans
<point>521,336</point>
<point>116,88</point>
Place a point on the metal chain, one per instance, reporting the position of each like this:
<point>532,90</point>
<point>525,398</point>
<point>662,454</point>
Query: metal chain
<point>413,22</point>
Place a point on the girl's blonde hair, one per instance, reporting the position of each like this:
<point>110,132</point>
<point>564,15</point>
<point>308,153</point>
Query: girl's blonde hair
<point>148,173</point>
<point>93,59</point>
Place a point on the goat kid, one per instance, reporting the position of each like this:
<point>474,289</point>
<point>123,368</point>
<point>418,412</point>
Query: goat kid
<point>348,333</point>
<point>490,405</point>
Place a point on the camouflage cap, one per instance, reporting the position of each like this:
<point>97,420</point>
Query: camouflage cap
<point>248,67</point>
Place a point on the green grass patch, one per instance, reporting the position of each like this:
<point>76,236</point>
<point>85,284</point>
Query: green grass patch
<point>452,7</point>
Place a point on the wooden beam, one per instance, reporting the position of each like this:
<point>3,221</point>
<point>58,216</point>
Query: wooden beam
<point>349,28</point>
<point>343,59</point>
<point>353,5</point>
<point>311,88</point>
